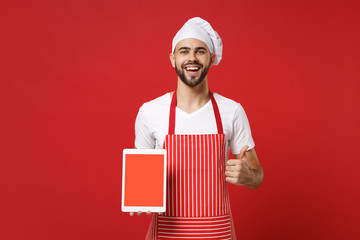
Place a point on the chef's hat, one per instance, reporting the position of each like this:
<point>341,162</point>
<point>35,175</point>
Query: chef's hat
<point>200,29</point>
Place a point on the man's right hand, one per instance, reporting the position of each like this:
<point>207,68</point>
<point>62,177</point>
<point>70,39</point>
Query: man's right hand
<point>139,213</point>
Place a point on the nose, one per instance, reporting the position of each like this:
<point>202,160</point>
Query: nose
<point>192,56</point>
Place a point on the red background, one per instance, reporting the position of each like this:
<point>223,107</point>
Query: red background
<point>74,73</point>
<point>139,192</point>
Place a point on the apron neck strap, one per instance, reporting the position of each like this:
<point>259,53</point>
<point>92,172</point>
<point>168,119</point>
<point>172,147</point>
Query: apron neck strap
<point>173,112</point>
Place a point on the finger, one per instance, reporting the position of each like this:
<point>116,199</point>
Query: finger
<point>233,162</point>
<point>231,180</point>
<point>148,212</point>
<point>131,213</point>
<point>232,174</point>
<point>139,213</point>
<point>236,168</point>
<point>243,150</point>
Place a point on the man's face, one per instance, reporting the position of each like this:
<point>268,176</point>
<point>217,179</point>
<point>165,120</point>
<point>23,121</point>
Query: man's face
<point>192,60</point>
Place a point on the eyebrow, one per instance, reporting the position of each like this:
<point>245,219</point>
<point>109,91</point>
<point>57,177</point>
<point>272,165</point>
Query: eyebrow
<point>188,48</point>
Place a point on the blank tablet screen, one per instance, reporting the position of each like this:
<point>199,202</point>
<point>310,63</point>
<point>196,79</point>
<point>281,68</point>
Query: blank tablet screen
<point>143,179</point>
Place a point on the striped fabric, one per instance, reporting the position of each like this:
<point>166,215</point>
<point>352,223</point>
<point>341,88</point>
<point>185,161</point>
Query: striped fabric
<point>197,201</point>
<point>196,176</point>
<point>198,205</point>
<point>198,228</point>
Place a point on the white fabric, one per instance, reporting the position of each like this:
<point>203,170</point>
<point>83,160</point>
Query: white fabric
<point>152,123</point>
<point>200,29</point>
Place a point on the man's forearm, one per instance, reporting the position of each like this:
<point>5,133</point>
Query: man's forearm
<point>258,179</point>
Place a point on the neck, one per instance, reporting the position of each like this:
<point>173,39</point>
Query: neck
<point>191,99</point>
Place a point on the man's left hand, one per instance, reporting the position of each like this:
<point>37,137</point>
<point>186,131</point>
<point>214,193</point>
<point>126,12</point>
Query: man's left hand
<point>238,171</point>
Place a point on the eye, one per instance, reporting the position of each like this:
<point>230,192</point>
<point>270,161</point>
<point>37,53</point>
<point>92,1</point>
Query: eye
<point>183,52</point>
<point>200,52</point>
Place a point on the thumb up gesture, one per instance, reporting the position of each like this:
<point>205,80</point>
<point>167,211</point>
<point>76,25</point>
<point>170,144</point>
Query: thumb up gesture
<point>239,170</point>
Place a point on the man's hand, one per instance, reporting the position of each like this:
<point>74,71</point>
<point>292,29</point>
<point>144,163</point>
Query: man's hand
<point>238,171</point>
<point>139,213</point>
<point>245,169</point>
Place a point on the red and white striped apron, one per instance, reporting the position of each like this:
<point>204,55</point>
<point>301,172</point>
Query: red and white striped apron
<point>198,205</point>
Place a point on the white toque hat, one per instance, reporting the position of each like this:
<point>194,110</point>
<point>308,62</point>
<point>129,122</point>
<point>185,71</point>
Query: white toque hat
<point>200,29</point>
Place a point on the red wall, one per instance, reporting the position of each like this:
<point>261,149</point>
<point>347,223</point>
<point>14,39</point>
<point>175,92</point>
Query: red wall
<point>74,73</point>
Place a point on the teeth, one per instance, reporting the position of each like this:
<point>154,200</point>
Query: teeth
<point>192,68</point>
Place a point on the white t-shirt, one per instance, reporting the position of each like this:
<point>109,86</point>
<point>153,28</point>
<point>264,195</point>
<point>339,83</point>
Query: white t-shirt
<point>152,123</point>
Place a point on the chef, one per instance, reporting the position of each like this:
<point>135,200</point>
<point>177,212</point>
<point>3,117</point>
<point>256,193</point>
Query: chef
<point>197,127</point>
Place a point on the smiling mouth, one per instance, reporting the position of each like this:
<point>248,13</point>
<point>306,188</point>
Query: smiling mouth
<point>192,69</point>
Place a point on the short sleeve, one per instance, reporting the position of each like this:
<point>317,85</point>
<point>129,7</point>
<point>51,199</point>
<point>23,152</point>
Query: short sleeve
<point>241,133</point>
<point>143,136</point>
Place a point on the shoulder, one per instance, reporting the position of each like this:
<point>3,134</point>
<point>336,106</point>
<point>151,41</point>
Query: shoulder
<point>227,105</point>
<point>155,108</point>
<point>155,104</point>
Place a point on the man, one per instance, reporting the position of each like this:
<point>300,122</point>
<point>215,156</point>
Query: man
<point>197,127</point>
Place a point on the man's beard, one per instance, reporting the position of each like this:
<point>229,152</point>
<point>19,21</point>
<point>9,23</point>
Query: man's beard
<point>192,82</point>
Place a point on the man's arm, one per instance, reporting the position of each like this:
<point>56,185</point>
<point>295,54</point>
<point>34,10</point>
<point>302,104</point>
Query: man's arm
<point>245,169</point>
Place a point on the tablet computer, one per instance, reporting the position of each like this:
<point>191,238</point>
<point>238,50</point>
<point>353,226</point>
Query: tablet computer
<point>143,180</point>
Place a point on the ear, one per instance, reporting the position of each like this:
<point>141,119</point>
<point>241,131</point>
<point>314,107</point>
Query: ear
<point>212,59</point>
<point>172,59</point>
